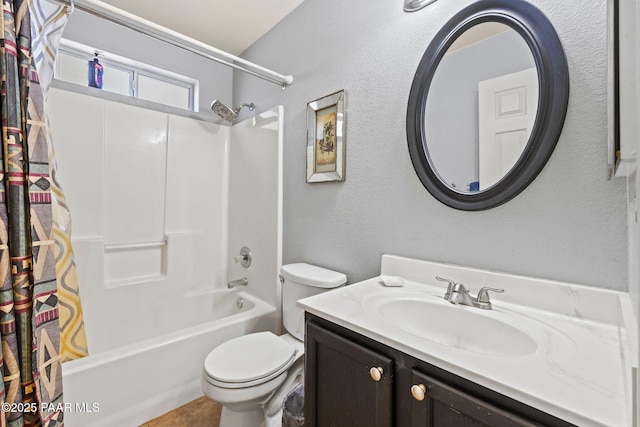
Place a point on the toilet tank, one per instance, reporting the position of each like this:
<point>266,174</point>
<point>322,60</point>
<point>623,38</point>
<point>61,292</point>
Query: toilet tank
<point>301,281</point>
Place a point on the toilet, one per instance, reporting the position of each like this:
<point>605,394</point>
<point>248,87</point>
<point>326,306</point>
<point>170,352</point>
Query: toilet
<point>252,374</point>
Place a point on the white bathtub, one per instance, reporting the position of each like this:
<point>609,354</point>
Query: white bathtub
<point>129,385</point>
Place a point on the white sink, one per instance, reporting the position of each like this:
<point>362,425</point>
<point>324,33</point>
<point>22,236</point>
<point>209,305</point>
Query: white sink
<point>462,327</point>
<point>563,348</point>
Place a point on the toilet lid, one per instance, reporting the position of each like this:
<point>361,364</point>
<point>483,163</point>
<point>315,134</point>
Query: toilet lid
<point>261,355</point>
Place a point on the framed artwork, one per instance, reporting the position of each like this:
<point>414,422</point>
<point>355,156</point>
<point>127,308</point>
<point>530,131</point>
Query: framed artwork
<point>326,140</point>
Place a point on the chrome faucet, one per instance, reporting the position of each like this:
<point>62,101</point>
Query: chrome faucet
<point>457,294</point>
<point>238,282</point>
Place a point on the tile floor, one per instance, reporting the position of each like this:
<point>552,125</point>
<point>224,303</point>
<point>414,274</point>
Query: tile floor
<point>202,412</point>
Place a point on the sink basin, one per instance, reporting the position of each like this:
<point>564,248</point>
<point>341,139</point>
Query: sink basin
<point>462,327</point>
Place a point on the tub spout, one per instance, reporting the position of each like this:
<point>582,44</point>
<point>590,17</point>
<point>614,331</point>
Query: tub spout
<point>237,282</point>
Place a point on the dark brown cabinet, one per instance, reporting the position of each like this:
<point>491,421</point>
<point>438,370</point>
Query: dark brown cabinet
<point>351,385</point>
<point>353,381</point>
<point>435,403</point>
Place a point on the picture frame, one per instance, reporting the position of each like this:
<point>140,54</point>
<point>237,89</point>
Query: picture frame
<point>326,138</point>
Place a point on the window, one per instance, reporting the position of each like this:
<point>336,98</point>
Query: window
<point>127,77</point>
<point>156,89</point>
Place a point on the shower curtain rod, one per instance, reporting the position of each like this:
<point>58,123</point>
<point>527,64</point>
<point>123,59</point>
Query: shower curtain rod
<point>143,26</point>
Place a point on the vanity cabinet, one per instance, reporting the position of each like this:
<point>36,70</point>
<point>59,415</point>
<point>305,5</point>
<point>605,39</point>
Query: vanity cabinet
<point>434,403</point>
<point>354,381</point>
<point>350,385</point>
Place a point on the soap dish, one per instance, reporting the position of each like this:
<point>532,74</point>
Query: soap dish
<point>393,281</point>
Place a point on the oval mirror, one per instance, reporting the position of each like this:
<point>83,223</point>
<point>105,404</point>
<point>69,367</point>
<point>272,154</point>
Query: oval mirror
<point>487,104</point>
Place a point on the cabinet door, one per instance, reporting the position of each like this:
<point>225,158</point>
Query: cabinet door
<point>444,406</point>
<point>340,389</point>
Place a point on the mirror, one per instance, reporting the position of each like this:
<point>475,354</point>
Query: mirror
<point>482,101</point>
<point>487,104</point>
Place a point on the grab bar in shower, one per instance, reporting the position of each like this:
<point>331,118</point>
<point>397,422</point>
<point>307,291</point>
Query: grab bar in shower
<point>119,246</point>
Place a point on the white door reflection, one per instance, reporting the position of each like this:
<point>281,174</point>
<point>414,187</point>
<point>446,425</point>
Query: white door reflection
<point>507,111</point>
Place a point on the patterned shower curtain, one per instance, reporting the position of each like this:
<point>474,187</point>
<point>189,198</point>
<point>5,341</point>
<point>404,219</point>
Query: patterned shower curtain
<point>48,20</point>
<point>32,253</point>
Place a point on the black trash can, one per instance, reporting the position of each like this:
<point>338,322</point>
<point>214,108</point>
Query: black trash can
<point>293,408</point>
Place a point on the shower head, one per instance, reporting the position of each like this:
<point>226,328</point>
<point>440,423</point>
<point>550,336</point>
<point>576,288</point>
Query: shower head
<point>227,113</point>
<point>223,111</point>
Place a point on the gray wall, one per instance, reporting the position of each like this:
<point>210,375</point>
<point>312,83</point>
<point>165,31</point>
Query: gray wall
<point>569,224</point>
<point>215,79</point>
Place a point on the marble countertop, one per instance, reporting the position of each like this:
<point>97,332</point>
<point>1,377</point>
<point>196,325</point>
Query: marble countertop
<point>581,368</point>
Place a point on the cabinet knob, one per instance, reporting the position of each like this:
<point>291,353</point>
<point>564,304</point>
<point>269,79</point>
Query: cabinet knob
<point>418,391</point>
<point>376,373</point>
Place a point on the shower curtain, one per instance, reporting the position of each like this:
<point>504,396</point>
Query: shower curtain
<point>48,20</point>
<point>30,248</point>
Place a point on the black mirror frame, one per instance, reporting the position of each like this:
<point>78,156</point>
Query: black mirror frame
<point>553,77</point>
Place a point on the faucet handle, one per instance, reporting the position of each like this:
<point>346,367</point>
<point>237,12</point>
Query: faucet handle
<point>447,294</point>
<point>244,258</point>
<point>483,300</point>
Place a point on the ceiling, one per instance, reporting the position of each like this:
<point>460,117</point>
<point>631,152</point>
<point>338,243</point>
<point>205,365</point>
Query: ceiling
<point>230,25</point>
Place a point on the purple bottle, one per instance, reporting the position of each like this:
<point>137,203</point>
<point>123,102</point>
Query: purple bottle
<point>95,73</point>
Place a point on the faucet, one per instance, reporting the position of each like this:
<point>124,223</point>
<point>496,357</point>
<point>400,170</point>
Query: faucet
<point>238,282</point>
<point>457,294</point>
<point>244,258</point>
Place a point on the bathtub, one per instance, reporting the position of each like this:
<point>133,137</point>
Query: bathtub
<point>132,384</point>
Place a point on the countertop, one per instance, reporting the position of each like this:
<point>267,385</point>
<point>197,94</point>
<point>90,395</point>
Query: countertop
<point>586,339</point>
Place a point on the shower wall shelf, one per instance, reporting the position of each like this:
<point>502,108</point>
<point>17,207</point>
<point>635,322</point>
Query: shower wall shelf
<point>118,246</point>
<point>158,32</point>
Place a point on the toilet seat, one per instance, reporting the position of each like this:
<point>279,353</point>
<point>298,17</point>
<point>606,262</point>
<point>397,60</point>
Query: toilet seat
<point>249,360</point>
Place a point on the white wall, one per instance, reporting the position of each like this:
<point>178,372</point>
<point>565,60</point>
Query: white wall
<point>569,224</point>
<point>134,176</point>
<point>255,202</point>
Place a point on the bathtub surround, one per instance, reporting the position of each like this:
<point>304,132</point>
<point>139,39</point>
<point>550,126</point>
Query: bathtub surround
<point>156,239</point>
<point>255,202</point>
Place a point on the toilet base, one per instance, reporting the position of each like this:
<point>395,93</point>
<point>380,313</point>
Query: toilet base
<point>258,405</point>
<point>245,407</point>
<point>253,418</point>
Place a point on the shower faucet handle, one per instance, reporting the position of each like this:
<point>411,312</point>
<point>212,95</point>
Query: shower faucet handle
<point>244,258</point>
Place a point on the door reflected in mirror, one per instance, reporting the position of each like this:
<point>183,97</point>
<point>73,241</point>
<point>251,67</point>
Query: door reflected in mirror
<point>481,107</point>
